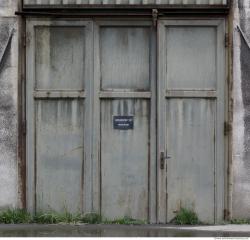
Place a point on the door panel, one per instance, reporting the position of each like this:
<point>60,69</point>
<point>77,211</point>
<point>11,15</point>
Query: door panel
<point>196,48</point>
<point>124,58</point>
<point>60,56</point>
<point>191,105</point>
<point>59,155</point>
<point>124,160</point>
<point>190,134</point>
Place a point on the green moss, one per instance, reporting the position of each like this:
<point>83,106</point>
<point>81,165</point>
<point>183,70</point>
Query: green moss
<point>186,217</point>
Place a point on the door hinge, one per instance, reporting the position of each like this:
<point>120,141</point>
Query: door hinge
<point>155,17</point>
<point>24,127</point>
<point>226,40</point>
<point>162,160</point>
<point>24,40</point>
<point>227,128</point>
<point>226,214</point>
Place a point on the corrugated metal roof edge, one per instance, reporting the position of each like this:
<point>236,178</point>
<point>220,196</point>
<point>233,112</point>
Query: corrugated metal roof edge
<point>127,6</point>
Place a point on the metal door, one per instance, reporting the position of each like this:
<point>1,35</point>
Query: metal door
<point>125,89</point>
<point>191,78</point>
<point>59,74</point>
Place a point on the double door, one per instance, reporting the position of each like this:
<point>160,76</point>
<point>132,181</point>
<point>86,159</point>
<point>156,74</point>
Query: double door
<point>125,118</point>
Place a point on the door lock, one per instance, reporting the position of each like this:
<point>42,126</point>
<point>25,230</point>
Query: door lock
<point>163,158</point>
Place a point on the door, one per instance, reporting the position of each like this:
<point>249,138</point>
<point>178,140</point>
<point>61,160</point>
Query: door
<point>110,131</point>
<point>125,119</point>
<point>191,78</point>
<point>59,74</point>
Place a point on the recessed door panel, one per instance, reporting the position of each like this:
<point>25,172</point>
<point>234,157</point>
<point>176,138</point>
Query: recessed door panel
<point>60,57</point>
<point>191,57</point>
<point>124,56</point>
<point>190,137</point>
<point>59,155</point>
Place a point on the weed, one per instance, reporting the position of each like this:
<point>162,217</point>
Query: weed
<point>186,216</point>
<point>125,221</point>
<point>91,218</point>
<point>21,216</point>
<point>46,218</point>
<point>53,217</point>
<point>240,221</point>
<point>11,216</point>
<point>71,218</point>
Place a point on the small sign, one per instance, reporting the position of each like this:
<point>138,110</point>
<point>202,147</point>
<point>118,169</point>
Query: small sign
<point>123,122</point>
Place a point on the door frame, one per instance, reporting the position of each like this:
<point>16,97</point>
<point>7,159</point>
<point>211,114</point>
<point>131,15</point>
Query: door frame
<point>23,154</point>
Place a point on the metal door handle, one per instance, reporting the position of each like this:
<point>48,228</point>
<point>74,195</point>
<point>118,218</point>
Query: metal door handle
<point>163,159</point>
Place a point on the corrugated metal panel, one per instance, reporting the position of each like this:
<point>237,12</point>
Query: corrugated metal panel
<point>127,2</point>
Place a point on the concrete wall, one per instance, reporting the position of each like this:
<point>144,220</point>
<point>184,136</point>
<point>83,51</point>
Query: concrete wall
<point>241,123</point>
<point>8,104</point>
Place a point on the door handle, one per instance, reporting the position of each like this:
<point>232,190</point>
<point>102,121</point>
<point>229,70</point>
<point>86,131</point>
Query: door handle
<point>163,158</point>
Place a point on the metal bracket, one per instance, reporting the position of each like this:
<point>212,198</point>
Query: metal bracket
<point>227,128</point>
<point>243,35</point>
<point>6,45</point>
<point>226,40</point>
<point>154,16</point>
<point>24,127</point>
<point>163,159</point>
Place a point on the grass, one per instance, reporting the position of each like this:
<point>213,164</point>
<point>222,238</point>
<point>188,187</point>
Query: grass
<point>53,218</point>
<point>91,218</point>
<point>240,221</point>
<point>11,216</point>
<point>186,217</point>
<point>125,221</point>
<point>15,216</point>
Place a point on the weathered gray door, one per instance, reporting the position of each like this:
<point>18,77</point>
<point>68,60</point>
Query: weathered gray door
<point>191,78</point>
<point>59,73</point>
<point>93,108</point>
<point>125,88</point>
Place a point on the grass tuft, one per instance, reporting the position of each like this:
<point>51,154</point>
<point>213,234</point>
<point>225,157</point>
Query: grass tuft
<point>91,218</point>
<point>125,221</point>
<point>13,216</point>
<point>53,218</point>
<point>186,217</point>
<point>240,221</point>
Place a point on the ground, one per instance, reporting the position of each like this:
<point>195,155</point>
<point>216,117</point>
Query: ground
<point>101,230</point>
